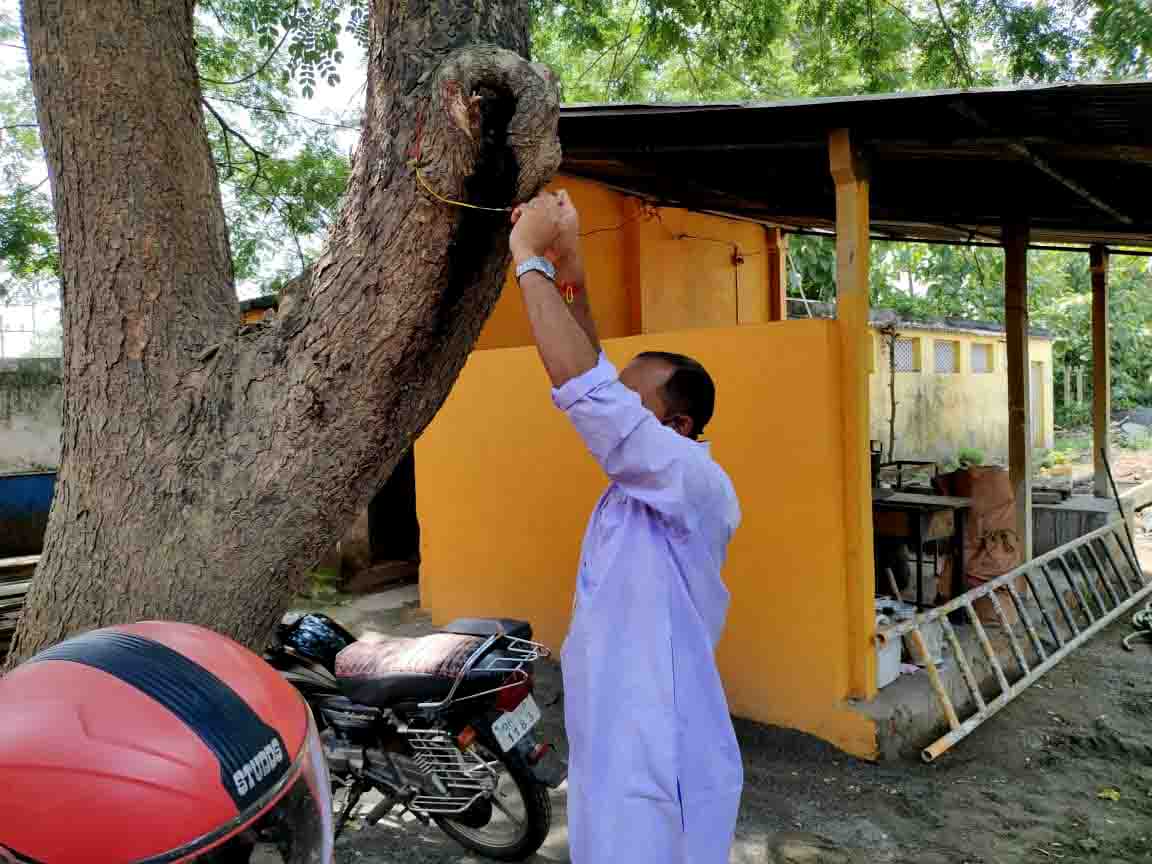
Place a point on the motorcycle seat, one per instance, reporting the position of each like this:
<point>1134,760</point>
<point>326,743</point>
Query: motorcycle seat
<point>489,626</point>
<point>385,672</point>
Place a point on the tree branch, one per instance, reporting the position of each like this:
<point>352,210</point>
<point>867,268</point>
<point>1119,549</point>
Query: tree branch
<point>961,60</point>
<point>257,154</point>
<point>625,38</point>
<point>283,111</point>
<point>635,54</point>
<point>692,74</point>
<point>904,12</point>
<point>267,59</point>
<point>735,77</point>
<point>619,45</point>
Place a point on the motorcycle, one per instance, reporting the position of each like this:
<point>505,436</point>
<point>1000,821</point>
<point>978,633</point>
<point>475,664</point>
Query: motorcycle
<point>440,726</point>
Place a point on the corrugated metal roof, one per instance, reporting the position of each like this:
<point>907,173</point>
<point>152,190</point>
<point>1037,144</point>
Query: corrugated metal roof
<point>879,317</point>
<point>1074,159</point>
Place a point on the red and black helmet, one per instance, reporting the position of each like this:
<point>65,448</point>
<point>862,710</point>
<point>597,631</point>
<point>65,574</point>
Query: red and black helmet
<point>158,742</point>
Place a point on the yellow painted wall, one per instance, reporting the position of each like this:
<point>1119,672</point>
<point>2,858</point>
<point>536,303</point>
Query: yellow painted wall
<point>505,488</point>
<point>690,276</point>
<point>652,270</point>
<point>939,414</point>
<point>607,257</point>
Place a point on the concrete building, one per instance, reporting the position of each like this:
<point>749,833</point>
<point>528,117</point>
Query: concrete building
<point>683,207</point>
<point>951,385</point>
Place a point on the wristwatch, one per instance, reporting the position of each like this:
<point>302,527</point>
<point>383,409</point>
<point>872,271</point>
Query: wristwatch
<point>541,265</point>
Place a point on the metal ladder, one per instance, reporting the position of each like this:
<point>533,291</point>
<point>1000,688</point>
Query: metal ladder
<point>1061,599</point>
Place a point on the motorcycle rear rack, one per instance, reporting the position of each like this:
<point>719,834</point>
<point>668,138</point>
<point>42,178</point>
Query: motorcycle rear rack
<point>523,652</point>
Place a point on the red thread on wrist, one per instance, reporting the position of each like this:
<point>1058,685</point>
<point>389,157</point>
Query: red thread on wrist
<point>568,290</point>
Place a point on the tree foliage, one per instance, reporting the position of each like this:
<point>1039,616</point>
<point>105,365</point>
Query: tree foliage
<point>919,282</point>
<point>283,172</point>
<point>27,235</point>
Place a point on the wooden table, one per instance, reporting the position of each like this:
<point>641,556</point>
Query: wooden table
<point>921,519</point>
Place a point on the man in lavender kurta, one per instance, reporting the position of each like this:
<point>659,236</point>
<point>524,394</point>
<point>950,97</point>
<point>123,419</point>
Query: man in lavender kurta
<point>655,771</point>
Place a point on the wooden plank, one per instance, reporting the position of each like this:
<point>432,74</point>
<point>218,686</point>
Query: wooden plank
<point>915,499</point>
<point>14,589</point>
<point>776,264</point>
<point>1138,498</point>
<point>19,563</point>
<point>1019,403</point>
<point>1101,371</point>
<point>941,526</point>
<point>901,523</point>
<point>853,248</point>
<point>1043,165</point>
<point>894,523</point>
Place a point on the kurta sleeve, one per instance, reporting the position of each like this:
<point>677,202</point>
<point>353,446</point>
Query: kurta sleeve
<point>647,460</point>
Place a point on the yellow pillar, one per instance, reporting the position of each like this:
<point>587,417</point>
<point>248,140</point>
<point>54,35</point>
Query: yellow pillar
<point>1101,370</point>
<point>1019,374</point>
<point>852,307</point>
<point>776,262</point>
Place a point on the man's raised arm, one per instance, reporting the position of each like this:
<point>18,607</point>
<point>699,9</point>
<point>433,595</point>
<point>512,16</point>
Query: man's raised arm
<point>546,231</point>
<point>648,460</point>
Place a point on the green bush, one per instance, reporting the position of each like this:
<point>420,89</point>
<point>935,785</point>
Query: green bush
<point>1073,416</point>
<point>970,457</point>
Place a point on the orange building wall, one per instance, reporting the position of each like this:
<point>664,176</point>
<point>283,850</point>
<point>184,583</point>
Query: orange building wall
<point>693,276</point>
<point>606,256</point>
<point>652,270</point>
<point>505,488</point>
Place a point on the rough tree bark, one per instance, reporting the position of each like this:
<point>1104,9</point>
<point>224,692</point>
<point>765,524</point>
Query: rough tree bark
<point>206,466</point>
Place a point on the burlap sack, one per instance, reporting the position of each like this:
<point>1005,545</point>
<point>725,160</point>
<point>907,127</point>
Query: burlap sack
<point>991,546</point>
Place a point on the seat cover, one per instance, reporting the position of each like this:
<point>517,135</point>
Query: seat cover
<point>489,627</point>
<point>383,671</point>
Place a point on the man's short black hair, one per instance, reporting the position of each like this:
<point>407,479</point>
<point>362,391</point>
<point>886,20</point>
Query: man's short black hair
<point>689,389</point>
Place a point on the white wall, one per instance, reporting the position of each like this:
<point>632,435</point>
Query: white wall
<point>30,399</point>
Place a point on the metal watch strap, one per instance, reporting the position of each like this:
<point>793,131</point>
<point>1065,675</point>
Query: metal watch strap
<point>540,265</point>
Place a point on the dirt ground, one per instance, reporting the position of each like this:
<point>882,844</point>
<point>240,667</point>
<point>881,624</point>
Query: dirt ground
<point>1063,774</point>
<point>1130,466</point>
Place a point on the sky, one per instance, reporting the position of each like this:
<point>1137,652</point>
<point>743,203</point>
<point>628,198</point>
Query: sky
<point>341,101</point>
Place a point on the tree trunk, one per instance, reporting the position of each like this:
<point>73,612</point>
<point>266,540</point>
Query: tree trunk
<point>206,466</point>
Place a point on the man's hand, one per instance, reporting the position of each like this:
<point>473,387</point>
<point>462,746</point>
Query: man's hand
<point>567,244</point>
<point>537,225</point>
<point>549,226</point>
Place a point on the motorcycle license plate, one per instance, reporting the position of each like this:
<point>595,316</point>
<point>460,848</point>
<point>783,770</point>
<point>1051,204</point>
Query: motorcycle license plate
<point>511,727</point>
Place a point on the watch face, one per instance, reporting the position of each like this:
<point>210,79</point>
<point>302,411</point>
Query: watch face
<point>540,265</point>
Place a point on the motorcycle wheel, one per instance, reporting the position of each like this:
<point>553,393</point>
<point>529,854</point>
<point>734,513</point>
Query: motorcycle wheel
<point>521,814</point>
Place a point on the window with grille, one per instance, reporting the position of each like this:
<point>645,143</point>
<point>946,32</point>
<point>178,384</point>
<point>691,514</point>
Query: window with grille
<point>907,355</point>
<point>947,357</point>
<point>982,362</point>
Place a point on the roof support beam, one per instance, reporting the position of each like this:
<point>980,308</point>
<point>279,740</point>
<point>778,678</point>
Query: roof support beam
<point>852,259</point>
<point>1101,371</point>
<point>928,241</point>
<point>1019,373</point>
<point>776,264</point>
<point>1023,151</point>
